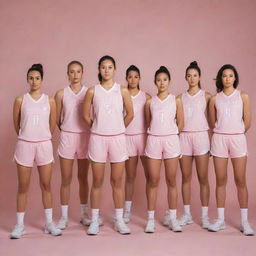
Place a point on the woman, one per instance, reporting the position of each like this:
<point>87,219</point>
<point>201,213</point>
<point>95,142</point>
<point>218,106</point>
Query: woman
<point>108,101</point>
<point>34,116</point>
<point>164,116</point>
<point>135,137</point>
<point>230,116</point>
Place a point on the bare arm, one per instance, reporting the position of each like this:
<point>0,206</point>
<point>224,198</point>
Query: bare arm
<point>212,115</point>
<point>87,107</point>
<point>246,111</point>
<point>207,99</point>
<point>58,99</point>
<point>179,113</point>
<point>16,113</point>
<point>147,112</point>
<point>53,115</point>
<point>127,105</point>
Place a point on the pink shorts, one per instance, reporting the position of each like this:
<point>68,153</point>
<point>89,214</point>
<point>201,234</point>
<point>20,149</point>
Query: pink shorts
<point>158,147</point>
<point>229,145</point>
<point>136,144</point>
<point>73,145</point>
<point>27,152</point>
<point>103,148</point>
<point>194,143</point>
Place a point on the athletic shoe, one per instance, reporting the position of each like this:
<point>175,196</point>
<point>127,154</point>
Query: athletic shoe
<point>86,221</point>
<point>217,225</point>
<point>246,229</point>
<point>175,225</point>
<point>150,227</point>
<point>205,222</point>
<point>166,219</point>
<point>94,228</point>
<point>63,223</point>
<point>127,216</point>
<point>185,219</point>
<point>121,227</point>
<point>50,228</point>
<point>18,231</point>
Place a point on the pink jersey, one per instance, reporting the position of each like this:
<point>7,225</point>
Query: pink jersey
<point>137,125</point>
<point>163,116</point>
<point>229,113</point>
<point>34,120</point>
<point>72,111</point>
<point>194,112</point>
<point>108,111</point>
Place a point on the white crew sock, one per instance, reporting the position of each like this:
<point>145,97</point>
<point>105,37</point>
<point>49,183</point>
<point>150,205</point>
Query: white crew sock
<point>119,214</point>
<point>187,209</point>
<point>172,213</point>
<point>48,215</point>
<point>95,214</point>
<point>221,213</point>
<point>84,209</point>
<point>151,214</point>
<point>244,214</point>
<point>20,218</point>
<point>204,211</point>
<point>127,206</point>
<point>64,211</point>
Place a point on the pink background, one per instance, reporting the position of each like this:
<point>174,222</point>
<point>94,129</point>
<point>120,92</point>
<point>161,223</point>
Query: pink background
<point>146,33</point>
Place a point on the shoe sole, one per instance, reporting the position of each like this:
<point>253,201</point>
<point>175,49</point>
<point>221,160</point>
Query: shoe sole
<point>17,237</point>
<point>250,234</point>
<point>211,230</point>
<point>149,231</point>
<point>187,223</point>
<point>48,232</point>
<point>122,233</point>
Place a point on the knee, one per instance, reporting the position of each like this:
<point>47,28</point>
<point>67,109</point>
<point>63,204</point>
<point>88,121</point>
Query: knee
<point>97,182</point>
<point>130,178</point>
<point>153,183</point>
<point>221,183</point>
<point>186,178</point>
<point>171,183</point>
<point>203,181</point>
<point>45,186</point>
<point>240,184</point>
<point>23,188</point>
<point>116,183</point>
<point>65,182</point>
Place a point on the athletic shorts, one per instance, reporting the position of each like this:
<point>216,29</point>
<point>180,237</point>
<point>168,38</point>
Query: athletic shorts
<point>163,147</point>
<point>103,148</point>
<point>26,153</point>
<point>73,145</point>
<point>136,144</point>
<point>194,143</point>
<point>229,145</point>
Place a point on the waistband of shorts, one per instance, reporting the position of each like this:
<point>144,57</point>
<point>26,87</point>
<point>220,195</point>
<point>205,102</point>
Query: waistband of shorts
<point>163,135</point>
<point>143,133</point>
<point>30,141</point>
<point>228,133</point>
<point>107,135</point>
<point>194,131</point>
<point>84,132</point>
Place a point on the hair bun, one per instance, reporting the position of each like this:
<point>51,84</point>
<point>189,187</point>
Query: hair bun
<point>193,63</point>
<point>38,66</point>
<point>163,68</point>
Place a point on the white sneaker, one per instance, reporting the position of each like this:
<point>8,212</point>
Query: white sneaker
<point>62,224</point>
<point>175,225</point>
<point>150,227</point>
<point>121,227</point>
<point>205,222</point>
<point>85,219</point>
<point>166,219</point>
<point>185,219</point>
<point>246,229</point>
<point>94,228</point>
<point>217,225</point>
<point>127,216</point>
<point>18,231</point>
<point>51,228</point>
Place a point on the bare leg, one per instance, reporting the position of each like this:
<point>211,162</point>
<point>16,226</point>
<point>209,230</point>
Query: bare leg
<point>98,177</point>
<point>202,174</point>
<point>117,172</point>
<point>131,170</point>
<point>145,167</point>
<point>186,169</point>
<point>66,166</point>
<point>83,167</point>
<point>24,174</point>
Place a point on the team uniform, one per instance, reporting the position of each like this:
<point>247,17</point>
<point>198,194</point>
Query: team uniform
<point>34,139</point>
<point>74,136</point>
<point>107,141</point>
<point>228,139</point>
<point>163,141</point>
<point>136,131</point>
<point>194,138</point>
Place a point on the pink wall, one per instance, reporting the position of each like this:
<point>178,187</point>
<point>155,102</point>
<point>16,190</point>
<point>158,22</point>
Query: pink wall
<point>146,33</point>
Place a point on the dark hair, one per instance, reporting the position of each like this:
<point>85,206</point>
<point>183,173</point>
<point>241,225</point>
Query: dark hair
<point>162,69</point>
<point>75,62</point>
<point>133,68</point>
<point>194,65</point>
<point>219,84</point>
<point>106,57</point>
<point>36,67</point>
